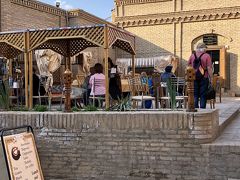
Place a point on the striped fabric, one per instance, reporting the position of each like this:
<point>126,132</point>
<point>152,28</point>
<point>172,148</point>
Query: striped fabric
<point>97,82</point>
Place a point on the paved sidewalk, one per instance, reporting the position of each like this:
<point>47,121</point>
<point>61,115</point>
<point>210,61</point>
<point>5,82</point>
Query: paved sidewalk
<point>229,121</point>
<point>228,109</point>
<point>230,135</point>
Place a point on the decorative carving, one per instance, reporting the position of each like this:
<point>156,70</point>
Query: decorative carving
<point>178,17</point>
<point>127,2</point>
<point>190,77</point>
<point>67,89</point>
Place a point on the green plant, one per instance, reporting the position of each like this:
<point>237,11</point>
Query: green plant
<point>4,96</point>
<point>90,108</point>
<point>20,109</point>
<point>40,108</point>
<point>75,109</point>
<point>172,93</point>
<point>122,105</point>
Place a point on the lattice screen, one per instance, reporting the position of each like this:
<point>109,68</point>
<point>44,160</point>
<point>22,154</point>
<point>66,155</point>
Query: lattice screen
<point>11,44</point>
<point>121,39</point>
<point>79,39</point>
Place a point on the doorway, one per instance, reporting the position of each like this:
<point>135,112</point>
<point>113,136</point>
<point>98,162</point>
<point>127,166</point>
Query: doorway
<point>219,56</point>
<point>215,56</point>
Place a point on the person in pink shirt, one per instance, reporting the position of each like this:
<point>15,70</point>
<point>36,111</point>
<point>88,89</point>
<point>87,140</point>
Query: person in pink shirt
<point>97,81</point>
<point>204,68</point>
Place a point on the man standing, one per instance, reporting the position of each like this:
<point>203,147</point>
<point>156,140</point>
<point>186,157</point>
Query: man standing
<point>202,63</point>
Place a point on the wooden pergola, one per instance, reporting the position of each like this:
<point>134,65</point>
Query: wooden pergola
<point>68,42</point>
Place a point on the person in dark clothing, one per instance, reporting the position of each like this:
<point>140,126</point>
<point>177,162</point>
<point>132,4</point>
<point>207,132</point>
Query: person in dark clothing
<point>87,87</point>
<point>36,86</point>
<point>114,81</point>
<point>201,58</point>
<point>36,83</point>
<point>167,74</point>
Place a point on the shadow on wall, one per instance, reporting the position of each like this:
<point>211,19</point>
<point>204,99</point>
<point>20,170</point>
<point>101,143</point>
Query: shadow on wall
<point>144,48</point>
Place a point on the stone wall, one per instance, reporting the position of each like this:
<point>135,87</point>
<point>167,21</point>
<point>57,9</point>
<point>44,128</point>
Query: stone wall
<point>131,145</point>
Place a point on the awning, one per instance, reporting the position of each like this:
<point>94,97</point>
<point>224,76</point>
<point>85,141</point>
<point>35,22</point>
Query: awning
<point>159,62</point>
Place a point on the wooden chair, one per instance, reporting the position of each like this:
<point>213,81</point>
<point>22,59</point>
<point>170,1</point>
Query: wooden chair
<point>177,85</point>
<point>156,80</point>
<point>96,84</point>
<point>42,82</point>
<point>138,91</point>
<point>217,85</point>
<point>80,79</point>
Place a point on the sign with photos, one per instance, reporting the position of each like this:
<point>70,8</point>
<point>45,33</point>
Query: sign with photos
<point>22,157</point>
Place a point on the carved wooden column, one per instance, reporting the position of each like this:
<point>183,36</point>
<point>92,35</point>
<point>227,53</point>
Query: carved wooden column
<point>68,80</point>
<point>190,77</point>
<point>67,85</point>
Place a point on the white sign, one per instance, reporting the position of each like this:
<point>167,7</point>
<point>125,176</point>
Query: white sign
<point>22,157</point>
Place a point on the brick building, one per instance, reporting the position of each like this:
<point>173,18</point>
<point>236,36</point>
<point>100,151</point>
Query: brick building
<point>176,26</point>
<point>23,14</point>
<point>31,14</point>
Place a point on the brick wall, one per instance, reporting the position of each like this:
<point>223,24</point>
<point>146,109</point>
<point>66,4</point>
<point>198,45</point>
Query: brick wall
<point>204,4</point>
<point>153,40</point>
<point>223,161</point>
<point>21,15</point>
<point>131,145</point>
<point>18,17</point>
<point>143,9</point>
<point>167,30</point>
<point>226,28</point>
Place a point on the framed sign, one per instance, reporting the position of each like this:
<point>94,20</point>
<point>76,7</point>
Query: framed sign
<point>210,39</point>
<point>22,157</point>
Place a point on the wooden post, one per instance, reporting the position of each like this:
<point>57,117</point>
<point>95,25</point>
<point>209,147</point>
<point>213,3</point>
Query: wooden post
<point>133,76</point>
<point>68,81</point>
<point>30,80</point>
<point>10,67</point>
<point>222,65</point>
<point>26,60</point>
<point>133,65</point>
<point>190,77</point>
<point>106,51</point>
<point>67,85</point>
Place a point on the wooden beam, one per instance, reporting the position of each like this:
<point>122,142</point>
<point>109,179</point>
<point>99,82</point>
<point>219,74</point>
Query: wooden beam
<point>26,60</point>
<point>30,80</point>
<point>106,53</point>
<point>133,65</point>
<point>222,66</point>
<point>10,67</point>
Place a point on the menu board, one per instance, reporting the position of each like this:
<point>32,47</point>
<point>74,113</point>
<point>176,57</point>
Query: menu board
<point>22,157</point>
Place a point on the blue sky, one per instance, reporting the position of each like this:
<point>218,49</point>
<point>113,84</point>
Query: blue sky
<point>100,8</point>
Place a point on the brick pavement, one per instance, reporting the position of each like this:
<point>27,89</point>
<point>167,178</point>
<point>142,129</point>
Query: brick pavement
<point>230,135</point>
<point>229,121</point>
<point>228,109</point>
